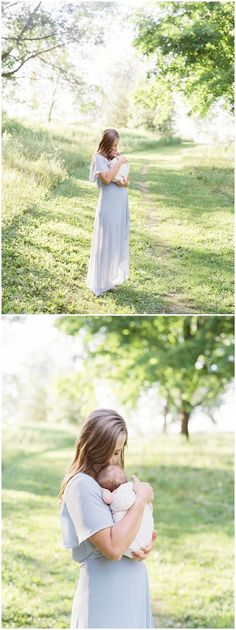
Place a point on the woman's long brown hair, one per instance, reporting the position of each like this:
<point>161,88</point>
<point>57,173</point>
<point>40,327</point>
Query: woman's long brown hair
<point>106,143</point>
<point>96,444</point>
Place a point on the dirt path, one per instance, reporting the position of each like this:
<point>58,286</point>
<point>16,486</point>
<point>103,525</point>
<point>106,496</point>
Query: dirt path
<point>163,249</point>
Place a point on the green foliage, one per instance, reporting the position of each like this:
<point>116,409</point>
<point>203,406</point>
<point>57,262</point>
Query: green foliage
<point>117,94</point>
<point>190,358</point>
<point>193,44</point>
<point>191,565</point>
<point>180,195</point>
<point>74,395</point>
<point>154,107</point>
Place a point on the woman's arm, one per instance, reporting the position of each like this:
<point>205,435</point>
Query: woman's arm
<point>113,541</point>
<point>107,176</point>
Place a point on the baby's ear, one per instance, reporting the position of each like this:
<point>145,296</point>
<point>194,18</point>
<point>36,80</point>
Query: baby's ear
<point>107,496</point>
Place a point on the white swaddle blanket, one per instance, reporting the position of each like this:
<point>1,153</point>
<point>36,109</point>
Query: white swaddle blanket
<point>122,172</point>
<point>122,499</point>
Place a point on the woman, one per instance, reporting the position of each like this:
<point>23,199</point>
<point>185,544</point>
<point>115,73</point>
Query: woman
<point>109,258</point>
<point>113,590</point>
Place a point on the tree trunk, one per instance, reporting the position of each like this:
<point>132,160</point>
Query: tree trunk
<point>185,415</point>
<point>52,104</point>
<point>165,412</point>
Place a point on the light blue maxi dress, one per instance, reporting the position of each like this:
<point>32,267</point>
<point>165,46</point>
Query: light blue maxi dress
<point>109,257</point>
<point>110,593</point>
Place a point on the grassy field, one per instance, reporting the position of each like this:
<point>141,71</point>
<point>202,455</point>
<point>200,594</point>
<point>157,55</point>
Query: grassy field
<point>181,201</point>
<point>191,565</point>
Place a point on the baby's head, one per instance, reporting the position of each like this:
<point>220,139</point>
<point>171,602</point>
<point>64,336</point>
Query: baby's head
<point>111,477</point>
<point>113,153</point>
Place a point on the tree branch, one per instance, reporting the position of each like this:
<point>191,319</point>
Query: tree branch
<point>71,80</point>
<point>52,65</point>
<point>28,22</point>
<point>210,414</point>
<point>6,53</point>
<point>40,52</point>
<point>9,6</point>
<point>36,78</point>
<point>29,39</point>
<point>12,4</point>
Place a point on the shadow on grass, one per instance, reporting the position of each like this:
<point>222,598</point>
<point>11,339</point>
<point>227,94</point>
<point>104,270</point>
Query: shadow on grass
<point>71,189</point>
<point>190,499</point>
<point>18,129</point>
<point>35,471</point>
<point>38,276</point>
<point>36,142</point>
<point>37,475</point>
<point>192,192</point>
<point>181,261</point>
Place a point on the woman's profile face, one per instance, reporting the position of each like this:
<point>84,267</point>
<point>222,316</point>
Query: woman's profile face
<point>115,145</point>
<point>115,459</point>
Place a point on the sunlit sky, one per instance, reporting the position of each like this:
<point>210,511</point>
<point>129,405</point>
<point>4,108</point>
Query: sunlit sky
<point>33,337</point>
<point>126,3</point>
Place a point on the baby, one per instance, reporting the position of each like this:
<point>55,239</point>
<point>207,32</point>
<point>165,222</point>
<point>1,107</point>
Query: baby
<point>123,171</point>
<point>119,494</point>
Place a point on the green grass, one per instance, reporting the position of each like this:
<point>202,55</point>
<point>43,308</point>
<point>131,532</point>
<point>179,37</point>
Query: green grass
<point>181,200</point>
<point>191,565</point>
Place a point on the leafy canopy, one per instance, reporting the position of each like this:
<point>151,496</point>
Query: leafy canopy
<point>193,45</point>
<point>190,358</point>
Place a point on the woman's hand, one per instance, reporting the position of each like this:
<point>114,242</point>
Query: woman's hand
<point>143,490</point>
<point>125,183</point>
<point>144,551</point>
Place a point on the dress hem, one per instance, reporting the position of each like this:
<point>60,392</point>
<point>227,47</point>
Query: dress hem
<point>98,294</point>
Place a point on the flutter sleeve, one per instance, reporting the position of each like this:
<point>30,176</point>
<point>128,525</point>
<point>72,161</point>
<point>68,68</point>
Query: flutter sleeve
<point>100,164</point>
<point>86,508</point>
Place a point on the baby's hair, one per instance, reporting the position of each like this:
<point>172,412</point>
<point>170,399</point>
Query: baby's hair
<point>107,478</point>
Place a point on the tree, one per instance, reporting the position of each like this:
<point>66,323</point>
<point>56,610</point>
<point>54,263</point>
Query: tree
<point>29,34</point>
<point>154,107</point>
<point>70,397</point>
<point>119,93</point>
<point>189,358</point>
<point>193,45</point>
<point>48,45</point>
